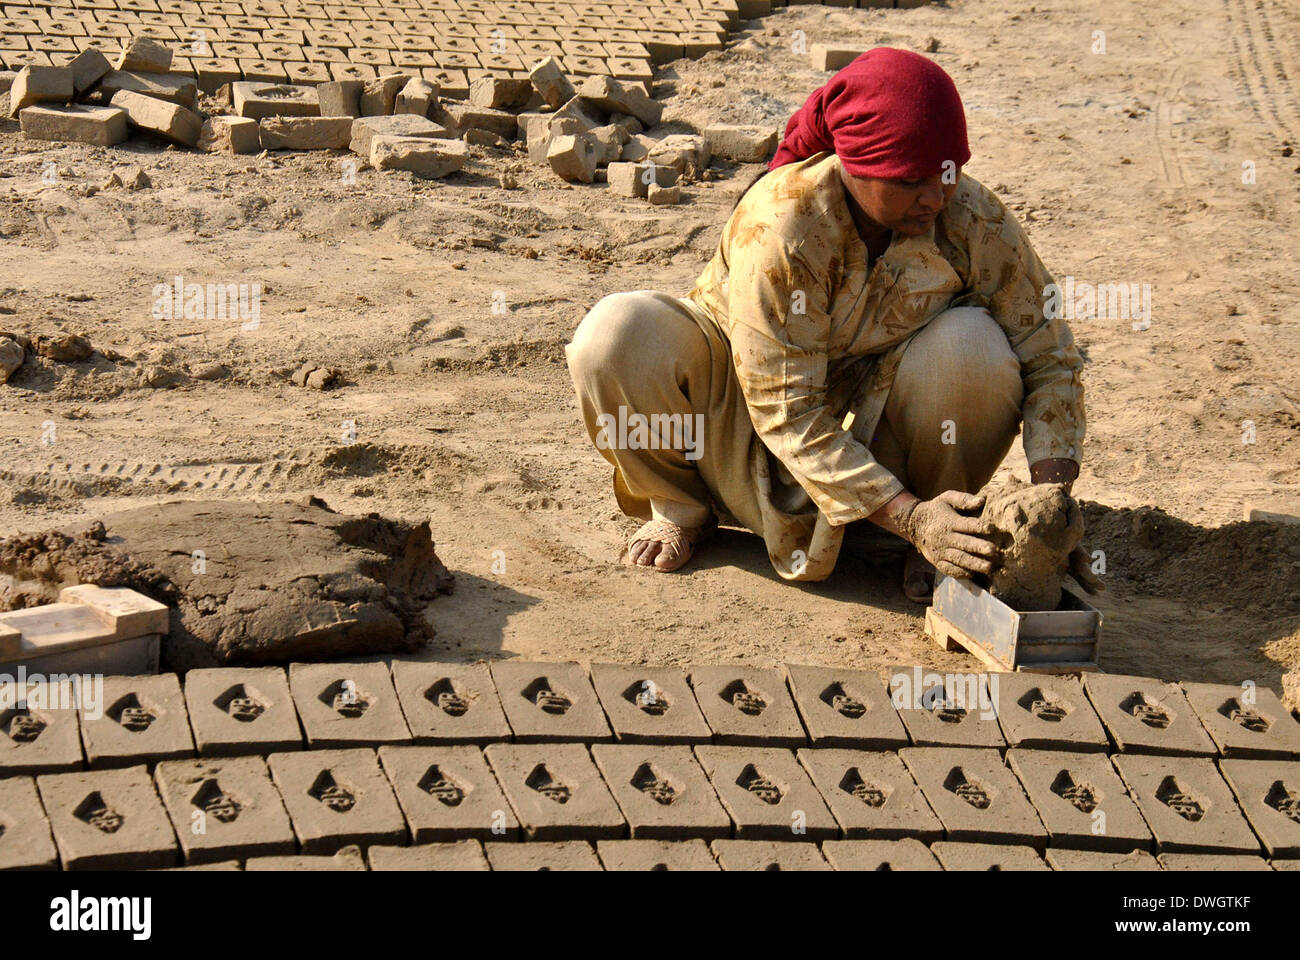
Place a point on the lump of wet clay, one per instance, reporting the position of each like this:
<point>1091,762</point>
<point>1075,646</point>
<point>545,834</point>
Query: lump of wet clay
<point>1036,527</point>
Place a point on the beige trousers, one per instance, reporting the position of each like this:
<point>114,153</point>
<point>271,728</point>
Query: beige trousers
<point>650,354</point>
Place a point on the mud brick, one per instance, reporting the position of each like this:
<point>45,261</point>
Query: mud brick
<point>768,855</point>
<point>574,157</point>
<point>1269,794</point>
<point>549,80</point>
<point>1047,713</point>
<point>617,96</point>
<point>655,855</point>
<point>400,125</point>
<point>550,701</point>
<point>609,141</point>
<point>482,118</point>
<point>449,703</point>
<point>879,855</point>
<point>108,820</point>
<point>1211,861</point>
<point>82,123</point>
<point>696,45</point>
<point>170,87</point>
<point>40,738</point>
<point>25,841</point>
<point>945,710</point>
<point>236,711</point>
<point>307,73</point>
<point>306,133</point>
<point>584,111</point>
<point>336,798</point>
<point>241,812</point>
<point>556,791</point>
<point>1070,790</point>
<point>38,84</point>
<point>7,78</point>
<point>223,134</point>
<point>1144,715</point>
<point>845,708</point>
<point>571,855</point>
<point>87,67</point>
<point>871,795</point>
<point>148,56</point>
<point>458,856</point>
<point>1287,866</point>
<point>448,793</point>
<point>830,58</point>
<point>351,71</point>
<point>214,72</point>
<point>142,719</point>
<point>663,47</point>
<point>259,100</point>
<point>379,96</point>
<point>1258,730</point>
<point>767,794</point>
<point>348,858</point>
<point>987,856</point>
<point>424,158</point>
<point>974,795</point>
<point>495,93</point>
<point>347,704</point>
<point>662,791</point>
<point>1100,861</point>
<point>416,97</point>
<point>649,704</point>
<point>451,83</point>
<point>340,98</point>
<point>741,143</point>
<point>1187,805</point>
<point>262,71</point>
<point>747,705</point>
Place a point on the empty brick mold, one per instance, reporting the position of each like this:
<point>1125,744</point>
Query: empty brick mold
<point>1080,799</point>
<point>239,711</point>
<point>567,855</point>
<point>987,857</point>
<point>25,840</point>
<point>551,702</point>
<point>845,708</point>
<point>448,793</point>
<point>770,855</point>
<point>945,710</point>
<point>649,704</point>
<point>871,794</point>
<point>459,855</point>
<point>662,791</point>
<point>1187,805</point>
<point>1100,860</point>
<point>39,739</point>
<point>556,791</point>
<point>337,798</point>
<point>886,856</point>
<point>1269,794</point>
<point>450,703</point>
<point>143,719</point>
<point>1147,716</point>
<point>747,706</point>
<point>347,704</point>
<point>108,820</point>
<point>224,809</point>
<point>974,795</point>
<point>1245,722</point>
<point>656,855</point>
<point>1043,712</point>
<point>767,794</point>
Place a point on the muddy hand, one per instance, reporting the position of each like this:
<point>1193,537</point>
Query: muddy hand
<point>957,545</point>
<point>1081,570</point>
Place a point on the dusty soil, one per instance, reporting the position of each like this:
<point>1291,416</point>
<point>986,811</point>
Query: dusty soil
<point>445,307</point>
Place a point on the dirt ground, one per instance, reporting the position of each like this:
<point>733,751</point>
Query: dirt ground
<point>446,305</point>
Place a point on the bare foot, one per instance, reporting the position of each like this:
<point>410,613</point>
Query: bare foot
<point>918,578</point>
<point>663,545</point>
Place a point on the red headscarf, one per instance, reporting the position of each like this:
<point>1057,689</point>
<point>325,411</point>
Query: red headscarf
<point>890,113</point>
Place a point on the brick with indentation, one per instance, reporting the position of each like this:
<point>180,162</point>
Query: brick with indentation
<point>768,855</point>
<point>347,704</point>
<point>236,711</point>
<point>448,793</point>
<point>1147,716</point>
<point>556,791</point>
<point>987,856</point>
<point>566,855</point>
<point>1187,805</point>
<point>945,710</point>
<point>25,840</point>
<point>336,798</point>
<point>552,702</point>
<point>767,794</point>
<point>224,809</point>
<point>108,820</point>
<point>871,794</point>
<point>1211,861</point>
<point>1044,712</point>
<point>747,706</point>
<point>662,791</point>
<point>974,795</point>
<point>37,739</point>
<point>460,855</point>
<point>845,708</point>
<point>142,719</point>
<point>880,855</point>
<point>1251,723</point>
<point>1100,860</point>
<point>649,704</point>
<point>1080,799</point>
<point>450,702</point>
<point>1269,794</point>
<point>656,855</point>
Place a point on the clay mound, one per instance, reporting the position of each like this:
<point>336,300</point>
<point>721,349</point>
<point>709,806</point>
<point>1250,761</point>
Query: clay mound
<point>1037,526</point>
<point>248,583</point>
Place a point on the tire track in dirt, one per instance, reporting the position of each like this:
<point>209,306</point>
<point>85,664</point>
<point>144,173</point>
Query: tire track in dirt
<point>1260,67</point>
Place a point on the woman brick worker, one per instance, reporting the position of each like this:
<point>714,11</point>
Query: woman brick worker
<point>863,274</point>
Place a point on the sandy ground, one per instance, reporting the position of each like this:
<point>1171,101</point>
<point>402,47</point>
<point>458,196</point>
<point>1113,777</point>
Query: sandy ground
<point>1127,167</point>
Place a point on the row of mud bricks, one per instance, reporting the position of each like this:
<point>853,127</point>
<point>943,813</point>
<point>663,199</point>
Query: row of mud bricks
<point>442,766</point>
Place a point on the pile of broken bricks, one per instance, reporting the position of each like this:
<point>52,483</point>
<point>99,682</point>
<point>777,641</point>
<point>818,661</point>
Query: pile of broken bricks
<point>518,765</point>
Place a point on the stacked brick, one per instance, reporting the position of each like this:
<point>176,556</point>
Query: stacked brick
<point>521,765</point>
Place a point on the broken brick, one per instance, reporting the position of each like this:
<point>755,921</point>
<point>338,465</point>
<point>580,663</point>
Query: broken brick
<point>143,54</point>
<point>379,96</point>
<point>548,79</point>
<point>1099,860</point>
<point>365,129</point>
<point>617,96</point>
<point>418,155</point>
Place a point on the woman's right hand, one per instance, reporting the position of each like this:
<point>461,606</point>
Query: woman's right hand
<point>958,545</point>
